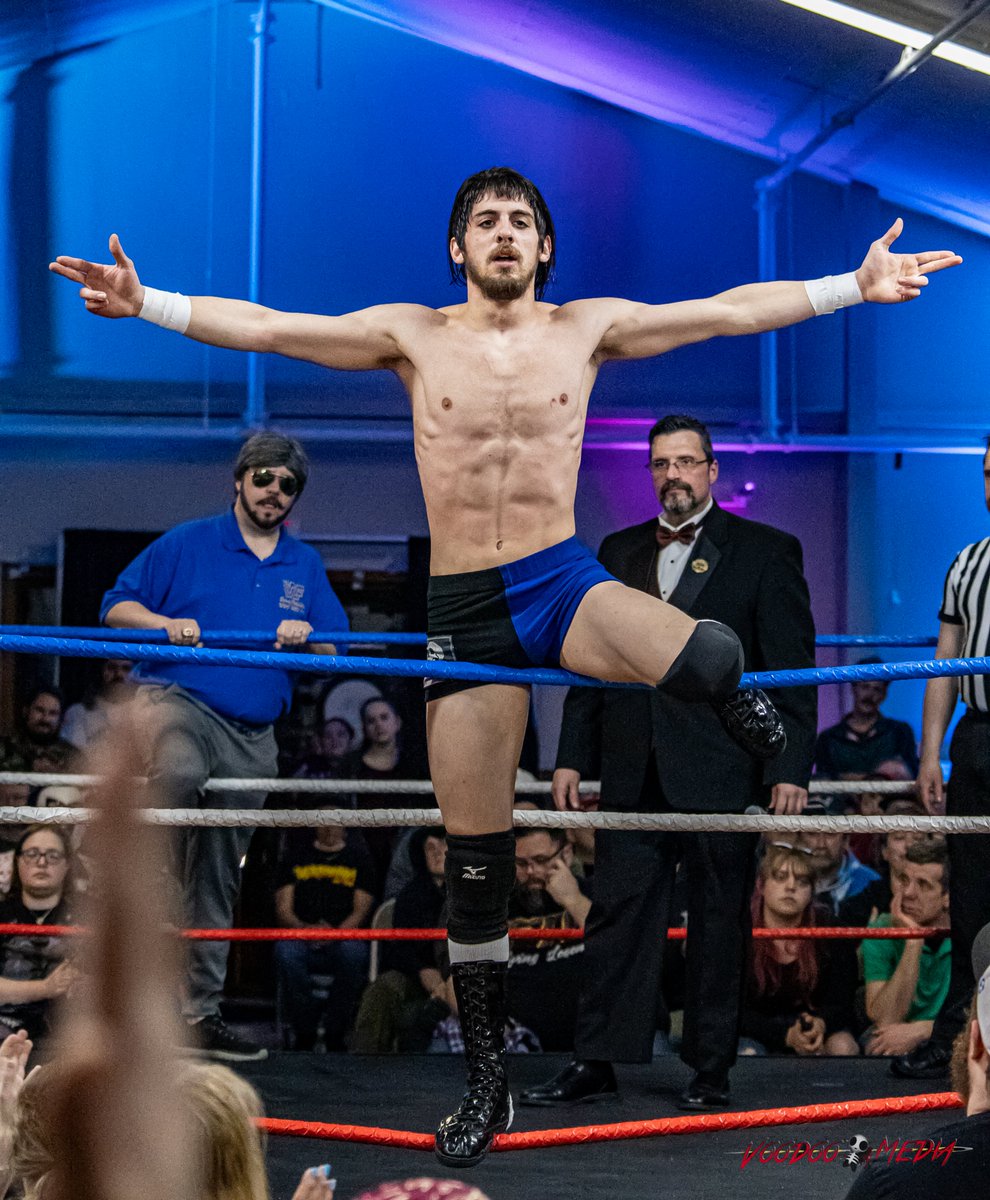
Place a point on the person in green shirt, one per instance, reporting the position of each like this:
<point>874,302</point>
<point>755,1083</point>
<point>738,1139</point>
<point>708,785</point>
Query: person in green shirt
<point>906,980</point>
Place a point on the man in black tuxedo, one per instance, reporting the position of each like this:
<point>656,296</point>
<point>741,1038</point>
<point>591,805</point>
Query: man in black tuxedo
<point>657,754</point>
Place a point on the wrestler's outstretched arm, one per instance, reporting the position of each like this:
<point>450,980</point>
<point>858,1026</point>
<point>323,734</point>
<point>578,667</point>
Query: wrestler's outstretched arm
<point>643,330</point>
<point>360,341</point>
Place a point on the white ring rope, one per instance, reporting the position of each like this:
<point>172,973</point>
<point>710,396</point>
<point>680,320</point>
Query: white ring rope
<point>535,818</point>
<point>417,787</point>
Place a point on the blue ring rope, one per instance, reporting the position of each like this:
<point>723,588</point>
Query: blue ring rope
<point>220,637</point>
<point>327,664</point>
<point>350,637</point>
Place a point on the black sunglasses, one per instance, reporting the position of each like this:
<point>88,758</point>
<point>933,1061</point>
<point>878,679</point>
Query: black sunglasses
<point>288,484</point>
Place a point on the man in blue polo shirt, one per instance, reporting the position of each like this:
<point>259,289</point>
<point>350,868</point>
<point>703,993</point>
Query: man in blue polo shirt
<point>240,570</point>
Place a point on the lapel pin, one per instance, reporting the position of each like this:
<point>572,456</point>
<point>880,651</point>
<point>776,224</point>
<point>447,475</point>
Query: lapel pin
<point>699,565</point>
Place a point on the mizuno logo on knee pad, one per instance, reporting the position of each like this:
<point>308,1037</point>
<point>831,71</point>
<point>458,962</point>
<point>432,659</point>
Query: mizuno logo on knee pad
<point>474,873</point>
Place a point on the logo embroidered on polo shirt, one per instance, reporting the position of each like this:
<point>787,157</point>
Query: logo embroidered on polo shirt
<point>292,596</point>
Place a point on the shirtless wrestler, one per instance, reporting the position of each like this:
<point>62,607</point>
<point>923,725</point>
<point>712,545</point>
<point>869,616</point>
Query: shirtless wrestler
<point>499,388</point>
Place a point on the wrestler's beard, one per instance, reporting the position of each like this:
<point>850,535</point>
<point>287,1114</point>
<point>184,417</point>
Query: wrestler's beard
<point>500,287</point>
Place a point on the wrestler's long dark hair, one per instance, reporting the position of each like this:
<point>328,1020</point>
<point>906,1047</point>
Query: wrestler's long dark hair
<point>503,183</point>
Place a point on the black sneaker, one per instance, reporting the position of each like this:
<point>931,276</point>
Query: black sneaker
<point>750,719</point>
<point>212,1038</point>
<point>927,1061</point>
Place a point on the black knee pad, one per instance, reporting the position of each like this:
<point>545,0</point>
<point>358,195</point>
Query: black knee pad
<point>709,666</point>
<point>480,871</point>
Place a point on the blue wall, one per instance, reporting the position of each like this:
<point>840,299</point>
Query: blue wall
<point>369,131</point>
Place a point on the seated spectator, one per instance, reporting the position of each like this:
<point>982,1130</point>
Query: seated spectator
<point>87,720</point>
<point>382,756</point>
<point>33,970</point>
<point>38,740</point>
<point>876,897</point>
<point>866,846</point>
<point>544,976</point>
<point>800,992</point>
<point>400,1009</point>
<point>954,1175</point>
<point>907,979</point>
<point>325,878</point>
<point>838,872</point>
<point>327,758</point>
<point>864,737</point>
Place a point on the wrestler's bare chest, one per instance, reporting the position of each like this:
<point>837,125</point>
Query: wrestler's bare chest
<point>517,385</point>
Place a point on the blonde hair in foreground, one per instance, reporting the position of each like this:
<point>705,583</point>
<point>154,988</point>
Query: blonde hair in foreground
<point>221,1106</point>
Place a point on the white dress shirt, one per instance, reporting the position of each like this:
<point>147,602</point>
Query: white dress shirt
<point>672,559</point>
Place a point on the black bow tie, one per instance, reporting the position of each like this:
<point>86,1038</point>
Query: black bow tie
<point>685,534</point>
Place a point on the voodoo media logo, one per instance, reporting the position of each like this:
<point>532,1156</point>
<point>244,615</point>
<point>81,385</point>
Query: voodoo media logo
<point>852,1153</point>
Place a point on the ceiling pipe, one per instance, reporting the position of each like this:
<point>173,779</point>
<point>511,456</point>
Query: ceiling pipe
<point>255,411</point>
<point>767,199</point>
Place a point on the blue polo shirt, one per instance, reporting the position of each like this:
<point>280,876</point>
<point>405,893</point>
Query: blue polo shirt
<point>205,570</point>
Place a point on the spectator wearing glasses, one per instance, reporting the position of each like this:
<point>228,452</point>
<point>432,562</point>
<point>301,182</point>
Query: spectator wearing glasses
<point>545,977</point>
<point>839,875</point>
<point>33,970</point>
<point>657,753</point>
<point>239,570</point>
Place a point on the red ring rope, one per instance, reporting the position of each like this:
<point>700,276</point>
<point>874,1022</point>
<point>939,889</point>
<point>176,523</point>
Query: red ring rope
<point>319,934</point>
<point>661,1127</point>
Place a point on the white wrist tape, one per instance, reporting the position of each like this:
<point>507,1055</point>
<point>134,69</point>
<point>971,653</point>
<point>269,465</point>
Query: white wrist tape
<point>833,292</point>
<point>171,310</point>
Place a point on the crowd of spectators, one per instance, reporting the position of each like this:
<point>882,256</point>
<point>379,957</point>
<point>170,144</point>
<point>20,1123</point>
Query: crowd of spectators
<point>803,997</point>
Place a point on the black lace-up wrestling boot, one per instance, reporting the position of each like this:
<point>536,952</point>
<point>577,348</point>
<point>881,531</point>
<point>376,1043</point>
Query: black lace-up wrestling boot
<point>486,1107</point>
<point>750,719</point>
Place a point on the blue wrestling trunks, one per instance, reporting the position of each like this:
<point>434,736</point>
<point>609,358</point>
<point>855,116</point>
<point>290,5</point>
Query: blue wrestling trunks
<point>516,615</point>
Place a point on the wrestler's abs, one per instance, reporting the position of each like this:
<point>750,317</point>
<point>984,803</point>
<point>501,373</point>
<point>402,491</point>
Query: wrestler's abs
<point>498,443</point>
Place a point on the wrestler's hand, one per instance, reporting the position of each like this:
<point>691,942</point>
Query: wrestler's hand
<point>182,631</point>
<point>292,633</point>
<point>887,278</point>
<point>565,793</point>
<point>109,291</point>
<point>787,799</point>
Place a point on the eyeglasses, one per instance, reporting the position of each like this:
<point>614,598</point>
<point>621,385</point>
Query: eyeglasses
<point>538,860</point>
<point>43,856</point>
<point>288,484</point>
<point>660,466</point>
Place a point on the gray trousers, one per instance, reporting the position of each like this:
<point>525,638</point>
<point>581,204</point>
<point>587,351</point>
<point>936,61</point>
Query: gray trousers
<point>191,743</point>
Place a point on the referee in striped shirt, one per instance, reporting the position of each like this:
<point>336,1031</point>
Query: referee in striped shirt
<point>964,631</point>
